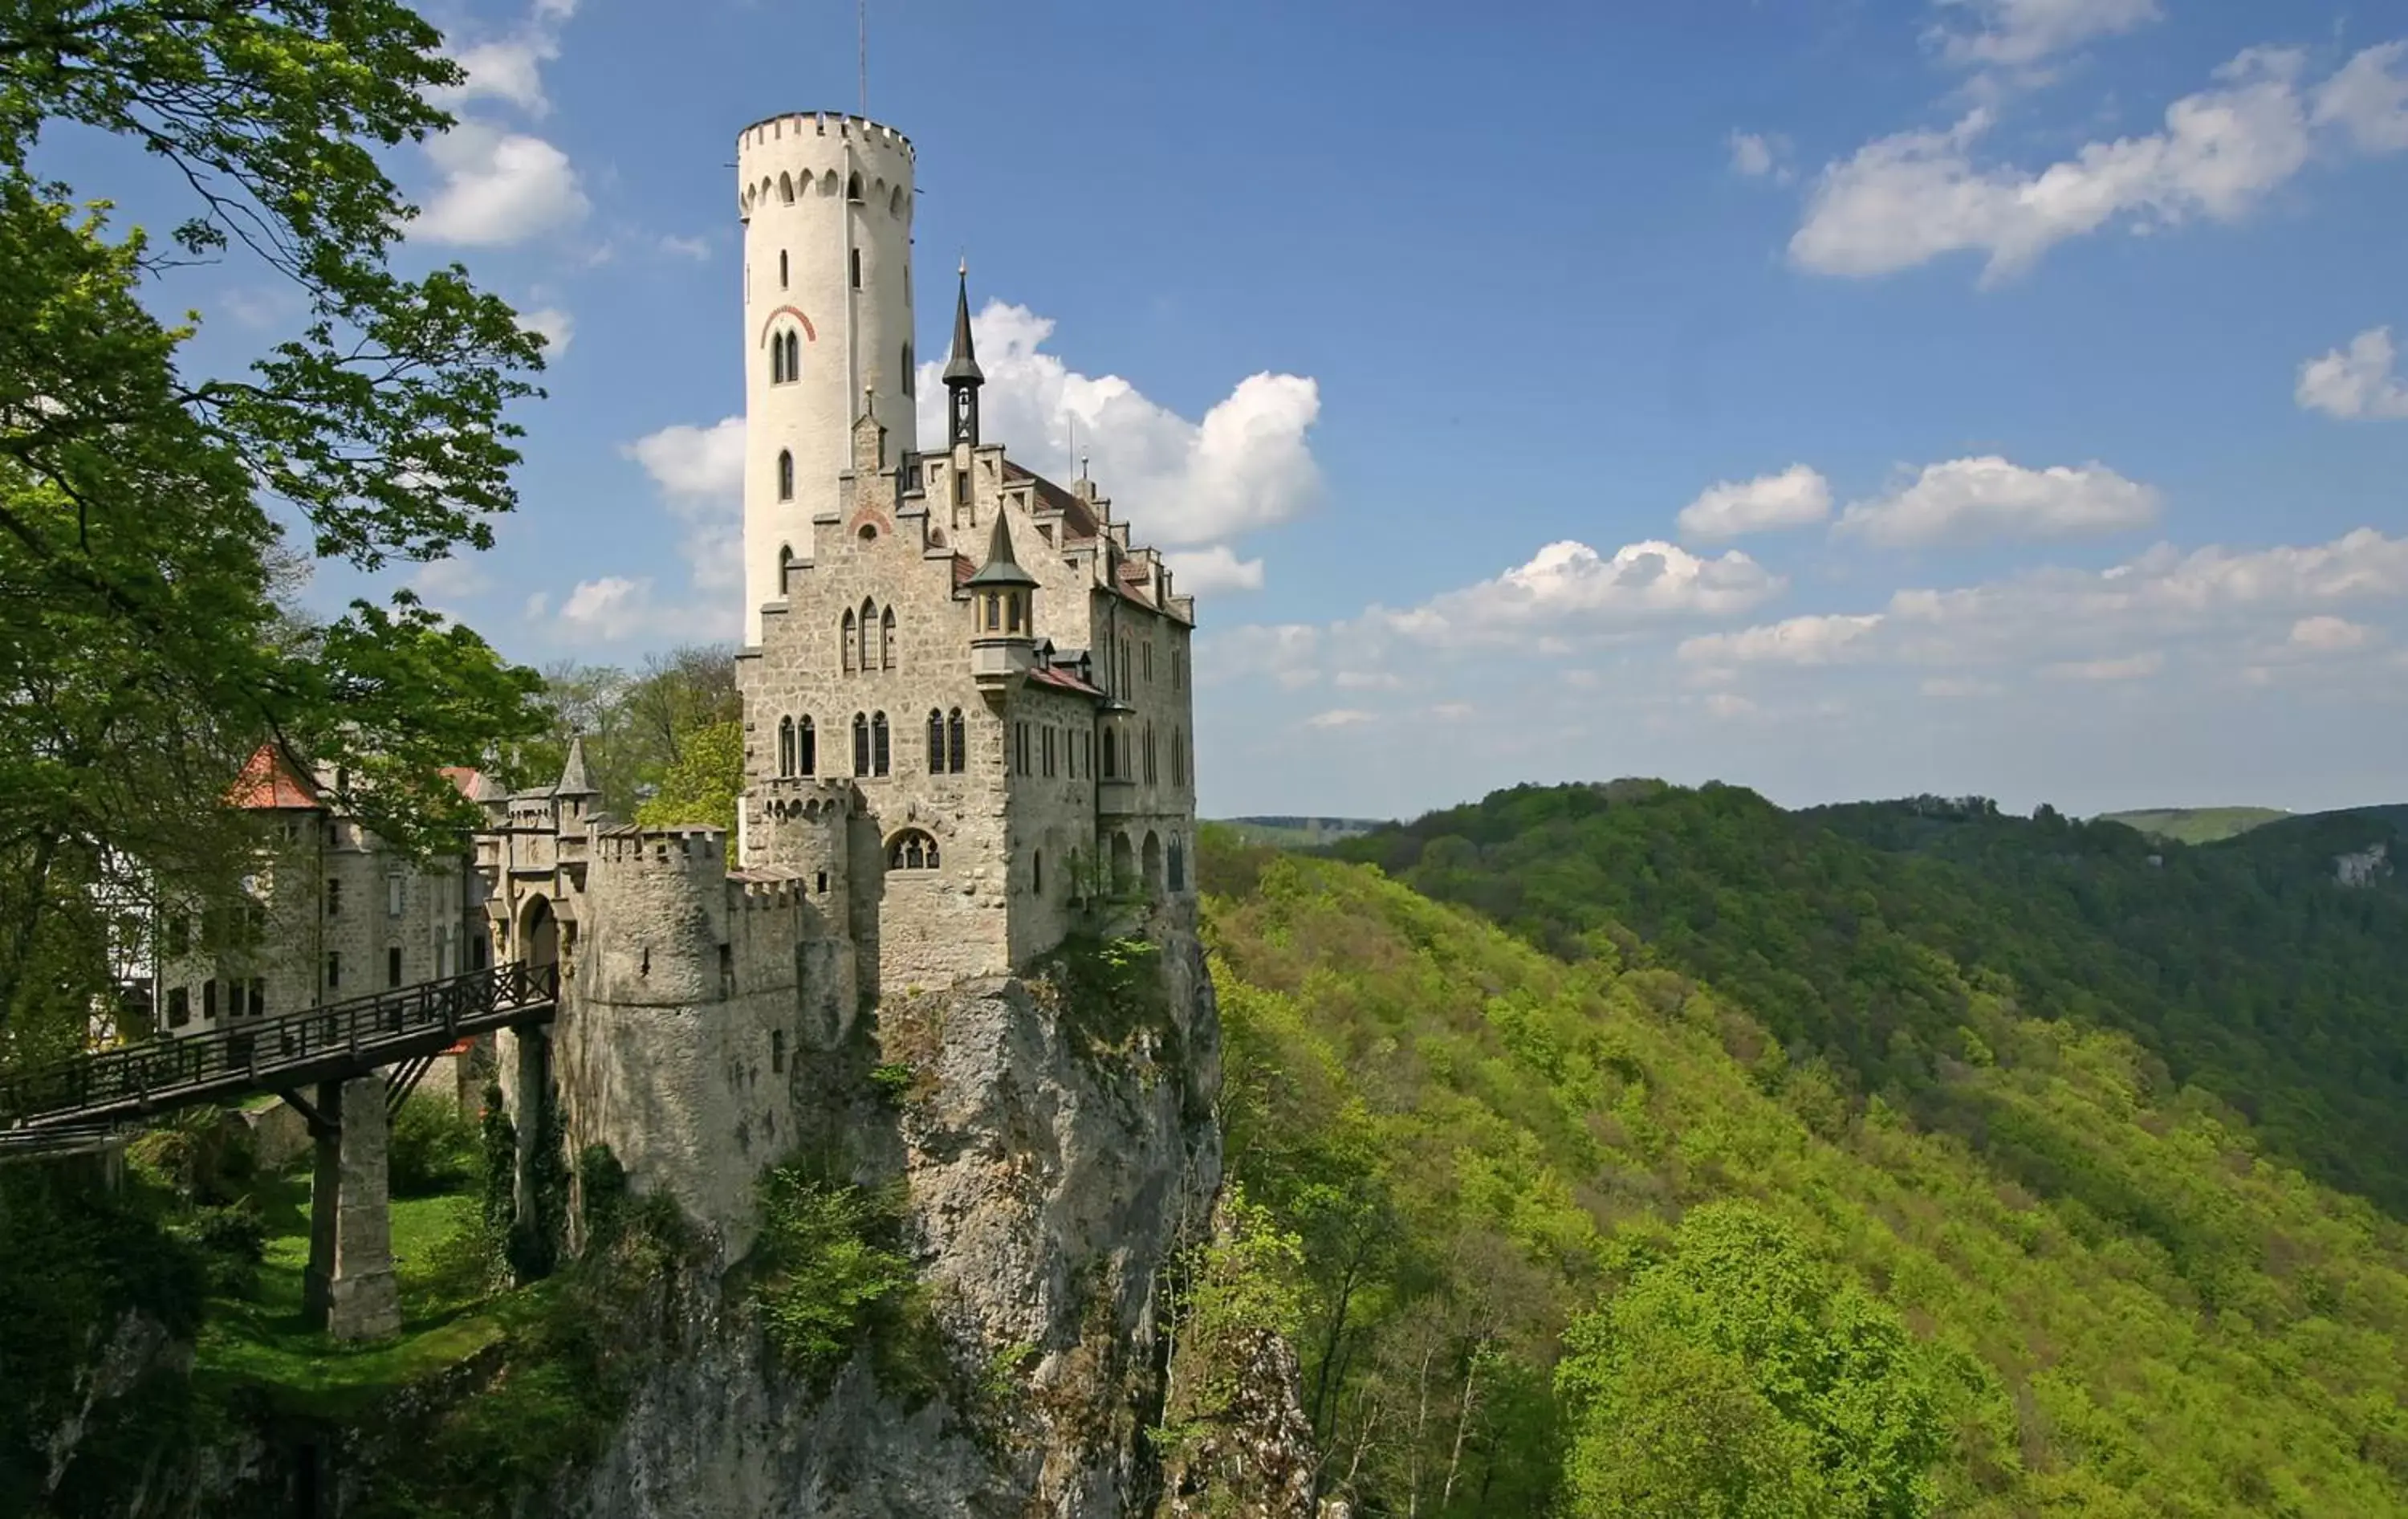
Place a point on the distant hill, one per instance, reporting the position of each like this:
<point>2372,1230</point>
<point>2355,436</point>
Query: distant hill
<point>2195,824</point>
<point>1302,832</point>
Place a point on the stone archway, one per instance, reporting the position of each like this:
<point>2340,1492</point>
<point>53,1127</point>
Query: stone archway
<point>1124,865</point>
<point>1153,857</point>
<point>538,933</point>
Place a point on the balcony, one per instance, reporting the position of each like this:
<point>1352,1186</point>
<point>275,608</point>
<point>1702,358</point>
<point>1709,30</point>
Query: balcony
<point>1116,798</point>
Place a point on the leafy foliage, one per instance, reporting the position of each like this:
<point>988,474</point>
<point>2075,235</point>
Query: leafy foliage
<point>432,1147</point>
<point>1479,1146</point>
<point>702,785</point>
<point>828,1269</point>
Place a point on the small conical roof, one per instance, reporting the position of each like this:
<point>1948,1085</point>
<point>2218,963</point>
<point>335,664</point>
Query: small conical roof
<point>572,775</point>
<point>1000,569</point>
<point>962,367</point>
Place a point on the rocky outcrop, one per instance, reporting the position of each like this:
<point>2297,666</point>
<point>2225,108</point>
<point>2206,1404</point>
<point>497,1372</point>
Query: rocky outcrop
<point>1057,1154</point>
<point>1253,1458</point>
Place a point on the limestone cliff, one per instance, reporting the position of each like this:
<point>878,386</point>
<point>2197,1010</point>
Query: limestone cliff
<point>1056,1153</point>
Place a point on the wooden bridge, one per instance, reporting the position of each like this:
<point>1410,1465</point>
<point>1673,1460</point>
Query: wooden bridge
<point>333,1054</point>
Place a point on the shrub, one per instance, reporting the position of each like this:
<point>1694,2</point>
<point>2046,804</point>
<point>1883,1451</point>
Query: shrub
<point>828,1272</point>
<point>433,1148</point>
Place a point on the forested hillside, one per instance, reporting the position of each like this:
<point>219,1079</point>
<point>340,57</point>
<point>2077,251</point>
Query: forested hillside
<point>1587,1228</point>
<point>2243,968</point>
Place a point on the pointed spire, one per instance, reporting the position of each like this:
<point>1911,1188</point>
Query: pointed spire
<point>572,775</point>
<point>1001,568</point>
<point>963,375</point>
<point>962,367</point>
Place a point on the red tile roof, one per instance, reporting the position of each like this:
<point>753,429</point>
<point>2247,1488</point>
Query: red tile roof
<point>963,570</point>
<point>269,781</point>
<point>1078,518</point>
<point>462,777</point>
<point>1062,680</point>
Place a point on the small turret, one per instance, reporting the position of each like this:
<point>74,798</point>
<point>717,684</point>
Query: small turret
<point>1003,620</point>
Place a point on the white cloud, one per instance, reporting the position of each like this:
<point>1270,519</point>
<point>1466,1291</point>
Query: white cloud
<point>1965,500</point>
<point>2130,668</point>
<point>2075,619</point>
<point>1728,704</point>
<point>1909,198</point>
<point>1341,717</point>
<point>1568,591</point>
<point>557,327</point>
<point>1246,465</point>
<point>2327,633</point>
<point>1793,498</point>
<point>1453,711</point>
<point>2367,98</point>
<point>696,248</point>
<point>498,187</point>
<point>609,608</point>
<point>700,472</point>
<point>1819,639</point>
<point>445,581</point>
<point>1761,155</point>
<point>1206,572</point>
<point>2017,33</point>
<point>507,70</point>
<point>1288,653</point>
<point>2356,381</point>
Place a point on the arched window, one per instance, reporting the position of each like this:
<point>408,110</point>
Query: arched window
<point>853,188</point>
<point>956,742</point>
<point>1178,758</point>
<point>785,746</point>
<point>860,743</point>
<point>936,742</point>
<point>777,360</point>
<point>807,748</point>
<point>879,757</point>
<point>850,640</point>
<point>1037,873</point>
<point>912,850</point>
<point>786,188</point>
<point>856,268</point>
<point>794,356</point>
<point>868,632</point>
<point>1178,865</point>
<point>886,639</point>
<point>1112,757</point>
<point>1150,774</point>
<point>785,569</point>
<point>785,474</point>
<point>782,268</point>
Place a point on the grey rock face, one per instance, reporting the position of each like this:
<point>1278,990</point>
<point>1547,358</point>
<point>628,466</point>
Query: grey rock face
<point>1054,1164</point>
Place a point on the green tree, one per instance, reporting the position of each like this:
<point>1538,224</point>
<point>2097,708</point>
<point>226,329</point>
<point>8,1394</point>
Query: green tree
<point>702,785</point>
<point>151,519</point>
<point>1731,1378</point>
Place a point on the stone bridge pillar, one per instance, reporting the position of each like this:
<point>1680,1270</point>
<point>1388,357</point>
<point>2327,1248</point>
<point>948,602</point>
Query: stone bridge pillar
<point>350,1289</point>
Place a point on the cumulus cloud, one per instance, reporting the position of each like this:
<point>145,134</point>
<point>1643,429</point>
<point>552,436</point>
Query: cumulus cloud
<point>1761,155</point>
<point>557,327</point>
<point>2018,33</point>
<point>445,582</point>
<point>1908,198</point>
<point>1567,592</point>
<point>611,608</point>
<point>1287,654</point>
<point>700,472</point>
<point>1797,497</point>
<point>1208,572</point>
<point>2330,635</point>
<point>2355,381</point>
<point>1243,467</point>
<point>498,187</point>
<point>2070,618</point>
<point>1967,500</point>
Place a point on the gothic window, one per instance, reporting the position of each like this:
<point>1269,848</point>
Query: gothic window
<point>786,188</point>
<point>852,632</point>
<point>1146,651</point>
<point>886,639</point>
<point>912,849</point>
<point>782,268</point>
<point>853,188</point>
<point>1178,866</point>
<point>785,746</point>
<point>1037,873</point>
<point>860,743</point>
<point>868,632</point>
<point>956,742</point>
<point>1178,670</point>
<point>856,268</point>
<point>879,753</point>
<point>785,475</point>
<point>777,360</point>
<point>785,569</point>
<point>807,748</point>
<point>936,742</point>
<point>1178,758</point>
<point>1150,776</point>
<point>1111,755</point>
<point>794,356</point>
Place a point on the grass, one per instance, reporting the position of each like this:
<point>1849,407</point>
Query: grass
<point>450,1309</point>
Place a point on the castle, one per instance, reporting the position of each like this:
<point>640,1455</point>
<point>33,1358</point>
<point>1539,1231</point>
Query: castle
<point>966,710</point>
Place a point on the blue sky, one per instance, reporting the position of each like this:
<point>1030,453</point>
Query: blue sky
<point>1843,397</point>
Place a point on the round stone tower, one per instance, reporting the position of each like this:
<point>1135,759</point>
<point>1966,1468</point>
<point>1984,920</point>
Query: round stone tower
<point>826,205</point>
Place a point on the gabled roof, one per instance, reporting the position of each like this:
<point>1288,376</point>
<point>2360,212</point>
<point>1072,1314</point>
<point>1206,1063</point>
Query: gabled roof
<point>269,781</point>
<point>1060,679</point>
<point>1078,518</point>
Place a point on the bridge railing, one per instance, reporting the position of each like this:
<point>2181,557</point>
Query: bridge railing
<point>253,1052</point>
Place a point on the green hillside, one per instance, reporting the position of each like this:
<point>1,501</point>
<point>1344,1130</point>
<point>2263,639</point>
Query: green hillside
<point>1590,1230</point>
<point>2195,824</point>
<point>2242,968</point>
<point>1288,832</point>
